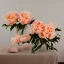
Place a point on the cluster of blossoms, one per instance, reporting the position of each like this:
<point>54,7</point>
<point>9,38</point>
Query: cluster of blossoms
<point>43,30</point>
<point>23,18</point>
<point>17,38</point>
<point>40,33</point>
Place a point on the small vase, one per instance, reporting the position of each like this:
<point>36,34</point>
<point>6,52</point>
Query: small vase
<point>27,46</point>
<point>13,49</point>
<point>20,48</point>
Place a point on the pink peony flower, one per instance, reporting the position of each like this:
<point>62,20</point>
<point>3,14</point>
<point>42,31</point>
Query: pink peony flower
<point>24,17</point>
<point>25,38</point>
<point>44,31</point>
<point>50,31</point>
<point>37,26</point>
<point>11,18</point>
<point>42,34</point>
<point>15,39</point>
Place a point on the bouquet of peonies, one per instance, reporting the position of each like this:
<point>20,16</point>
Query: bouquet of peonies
<point>40,33</point>
<point>18,21</point>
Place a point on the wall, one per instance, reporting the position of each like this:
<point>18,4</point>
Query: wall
<point>45,10</point>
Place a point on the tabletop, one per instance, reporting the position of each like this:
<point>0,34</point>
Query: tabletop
<point>26,57</point>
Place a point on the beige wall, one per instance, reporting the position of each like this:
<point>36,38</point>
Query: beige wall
<point>45,10</point>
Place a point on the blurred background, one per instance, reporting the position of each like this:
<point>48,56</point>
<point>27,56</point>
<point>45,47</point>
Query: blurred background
<point>44,10</point>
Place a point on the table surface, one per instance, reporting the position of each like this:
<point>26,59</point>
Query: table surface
<point>26,57</point>
<point>4,51</point>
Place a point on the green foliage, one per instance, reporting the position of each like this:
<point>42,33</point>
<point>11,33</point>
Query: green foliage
<point>4,25</point>
<point>18,26</point>
<point>14,25</point>
<point>32,21</point>
<point>57,29</point>
<point>55,39</point>
<point>38,42</point>
<point>38,46</point>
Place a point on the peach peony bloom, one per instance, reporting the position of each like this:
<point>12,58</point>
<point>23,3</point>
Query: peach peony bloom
<point>42,34</point>
<point>38,27</point>
<point>24,17</point>
<point>11,18</point>
<point>50,31</point>
<point>25,38</point>
<point>51,35</point>
<point>44,31</point>
<point>15,39</point>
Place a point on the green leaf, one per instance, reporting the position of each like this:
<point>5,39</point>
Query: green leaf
<point>37,41</point>
<point>22,31</point>
<point>32,21</point>
<point>33,48</point>
<point>47,45</point>
<point>34,38</point>
<point>38,47</point>
<point>57,29</point>
<point>55,39</point>
<point>28,41</point>
<point>53,48</point>
<point>23,28</point>
<point>19,27</point>
<point>14,25</point>
<point>4,25</point>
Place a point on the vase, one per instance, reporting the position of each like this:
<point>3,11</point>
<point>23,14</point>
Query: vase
<point>43,48</point>
<point>27,46</point>
<point>12,49</point>
<point>20,48</point>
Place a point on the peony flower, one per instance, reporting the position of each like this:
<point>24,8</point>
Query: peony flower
<point>51,35</point>
<point>42,34</point>
<point>25,38</point>
<point>38,27</point>
<point>15,39</point>
<point>50,31</point>
<point>11,18</point>
<point>24,17</point>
